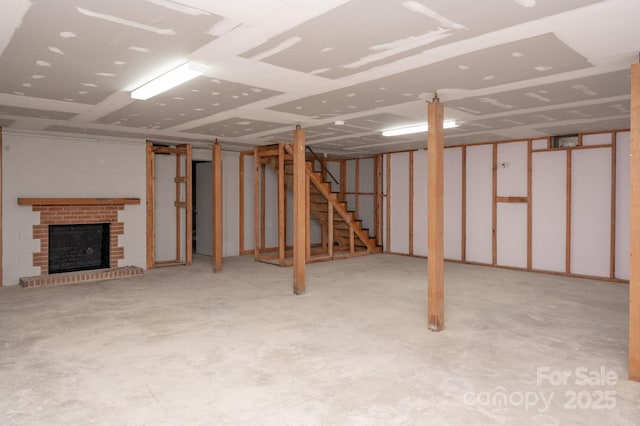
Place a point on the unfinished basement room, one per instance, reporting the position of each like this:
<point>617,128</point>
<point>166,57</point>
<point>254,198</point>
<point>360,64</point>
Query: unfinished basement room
<point>336,212</point>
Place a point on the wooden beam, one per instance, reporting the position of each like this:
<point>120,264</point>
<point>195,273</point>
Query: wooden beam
<point>330,228</point>
<point>263,205</point>
<point>529,206</point>
<point>343,180</point>
<point>463,233</point>
<point>511,199</point>
<point>241,203</point>
<point>567,260</point>
<point>217,206</point>
<point>282,212</point>
<point>256,204</point>
<point>178,206</point>
<point>378,199</point>
<point>307,213</point>
<point>612,253</point>
<point>435,224</point>
<point>151,186</point>
<point>299,210</point>
<point>634,229</point>
<point>387,247</point>
<point>189,208</point>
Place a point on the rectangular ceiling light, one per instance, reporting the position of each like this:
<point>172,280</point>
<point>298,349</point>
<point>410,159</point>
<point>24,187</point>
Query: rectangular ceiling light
<point>169,80</point>
<point>448,124</point>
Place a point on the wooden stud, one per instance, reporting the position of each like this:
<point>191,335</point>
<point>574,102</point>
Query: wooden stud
<point>216,187</point>
<point>189,208</point>
<point>178,209</point>
<point>352,243</point>
<point>343,180</point>
<point>435,217</point>
<point>151,186</point>
<point>357,195</point>
<point>256,204</point>
<point>511,199</point>
<point>388,194</point>
<point>494,208</point>
<point>378,199</point>
<point>411,196</point>
<point>282,195</point>
<point>568,218</point>
<point>529,206</point>
<point>330,228</point>
<point>241,202</point>
<point>612,253</point>
<point>263,205</point>
<point>307,212</point>
<point>463,233</point>
<point>634,229</point>
<point>1,241</point>
<point>299,207</point>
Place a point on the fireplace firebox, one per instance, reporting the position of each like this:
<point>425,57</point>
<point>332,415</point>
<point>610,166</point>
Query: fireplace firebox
<point>78,247</point>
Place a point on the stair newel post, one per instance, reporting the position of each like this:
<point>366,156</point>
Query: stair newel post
<point>309,170</point>
<point>300,195</point>
<point>352,245</point>
<point>282,212</point>
<point>330,226</point>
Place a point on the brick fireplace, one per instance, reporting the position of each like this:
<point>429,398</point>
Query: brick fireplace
<point>77,211</point>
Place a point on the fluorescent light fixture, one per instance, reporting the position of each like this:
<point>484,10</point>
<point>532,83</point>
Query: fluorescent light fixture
<point>448,124</point>
<point>169,80</point>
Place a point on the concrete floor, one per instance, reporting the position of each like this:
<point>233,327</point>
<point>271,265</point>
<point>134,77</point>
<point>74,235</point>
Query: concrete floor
<point>184,346</point>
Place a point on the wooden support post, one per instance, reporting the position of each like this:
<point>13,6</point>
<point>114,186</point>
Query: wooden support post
<point>634,229</point>
<point>330,228</point>
<point>282,195</point>
<point>435,195</point>
<point>151,186</point>
<point>241,203</point>
<point>263,204</point>
<point>256,204</point>
<point>343,180</point>
<point>299,207</point>
<point>352,242</point>
<point>217,206</point>
<point>568,218</point>
<point>463,225</point>
<point>178,207</point>
<point>494,208</point>
<point>529,205</point>
<point>411,197</point>
<point>189,208</point>
<point>357,195</point>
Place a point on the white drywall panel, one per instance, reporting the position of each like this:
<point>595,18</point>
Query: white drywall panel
<point>351,176</point>
<point>203,224</point>
<point>420,203</point>
<point>334,168</point>
<point>452,203</point>
<point>165,210</point>
<point>367,206</point>
<point>230,203</point>
<point>479,203</point>
<point>597,139</point>
<point>591,211</point>
<point>351,202</point>
<point>400,202</point>
<point>367,174</point>
<point>511,234</point>
<point>271,208</point>
<point>549,210</point>
<point>622,206</point>
<point>512,169</point>
<point>539,144</point>
<point>248,202</point>
<point>35,165</point>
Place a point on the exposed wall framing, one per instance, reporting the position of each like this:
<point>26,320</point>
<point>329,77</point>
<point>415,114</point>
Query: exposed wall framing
<point>183,203</point>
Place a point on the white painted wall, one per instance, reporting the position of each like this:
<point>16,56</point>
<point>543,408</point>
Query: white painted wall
<point>452,203</point>
<point>622,206</point>
<point>420,203</point>
<point>591,211</point>
<point>479,203</point>
<point>548,210</point>
<point>367,202</point>
<point>399,202</point>
<point>231,203</point>
<point>39,165</point>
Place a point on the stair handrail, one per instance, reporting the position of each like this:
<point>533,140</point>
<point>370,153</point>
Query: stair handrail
<point>323,168</point>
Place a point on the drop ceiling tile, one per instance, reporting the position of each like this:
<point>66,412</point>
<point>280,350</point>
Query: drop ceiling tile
<point>235,127</point>
<point>537,57</point>
<point>199,98</point>
<point>86,50</point>
<point>342,41</point>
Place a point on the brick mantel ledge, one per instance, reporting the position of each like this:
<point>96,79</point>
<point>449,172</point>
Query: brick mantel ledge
<point>77,201</point>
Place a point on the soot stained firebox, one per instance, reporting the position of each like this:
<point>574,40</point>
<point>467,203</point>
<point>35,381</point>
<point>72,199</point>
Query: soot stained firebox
<point>78,247</point>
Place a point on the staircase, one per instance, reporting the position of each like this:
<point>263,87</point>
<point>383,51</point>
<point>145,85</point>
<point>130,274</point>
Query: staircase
<point>345,235</point>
